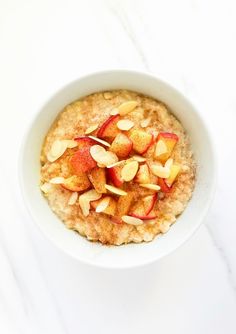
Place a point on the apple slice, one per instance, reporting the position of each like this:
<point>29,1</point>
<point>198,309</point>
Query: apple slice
<point>138,211</point>
<point>108,129</point>
<point>141,140</point>
<point>149,202</point>
<point>166,184</point>
<point>97,177</point>
<point>84,141</point>
<point>78,182</point>
<point>174,172</point>
<point>110,209</point>
<point>81,161</point>
<point>124,204</point>
<point>166,142</point>
<point>121,145</point>
<point>143,175</point>
<point>114,174</point>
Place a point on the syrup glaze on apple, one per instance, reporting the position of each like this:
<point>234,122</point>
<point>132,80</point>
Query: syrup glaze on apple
<point>147,159</point>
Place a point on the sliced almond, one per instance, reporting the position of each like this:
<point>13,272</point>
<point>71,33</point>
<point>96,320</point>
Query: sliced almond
<point>103,157</point>
<point>150,186</point>
<point>103,204</point>
<point>103,142</point>
<point>70,143</point>
<point>46,187</point>
<point>57,180</point>
<point>129,171</point>
<point>73,198</point>
<point>114,112</point>
<point>115,190</point>
<point>127,107</point>
<point>139,158</point>
<point>145,122</point>
<point>132,220</point>
<point>107,95</point>
<point>86,198</point>
<point>160,171</point>
<point>91,129</point>
<point>125,124</point>
<point>169,163</point>
<point>161,148</point>
<point>57,150</point>
<point>118,163</point>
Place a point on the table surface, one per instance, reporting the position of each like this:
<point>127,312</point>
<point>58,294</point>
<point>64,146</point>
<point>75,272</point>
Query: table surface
<point>45,44</point>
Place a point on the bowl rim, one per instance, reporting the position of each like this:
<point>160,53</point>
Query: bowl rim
<point>171,249</point>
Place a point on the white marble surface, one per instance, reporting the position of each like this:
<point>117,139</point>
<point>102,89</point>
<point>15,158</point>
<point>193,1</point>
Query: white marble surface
<point>44,44</point>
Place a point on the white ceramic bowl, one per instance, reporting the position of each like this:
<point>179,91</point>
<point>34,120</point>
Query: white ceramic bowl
<point>130,255</point>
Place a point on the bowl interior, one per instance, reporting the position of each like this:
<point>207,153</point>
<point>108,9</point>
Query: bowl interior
<point>132,254</point>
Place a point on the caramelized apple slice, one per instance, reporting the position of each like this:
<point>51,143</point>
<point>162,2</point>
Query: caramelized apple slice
<point>124,203</point>
<point>109,130</point>
<point>174,172</point>
<point>81,161</point>
<point>121,146</point>
<point>114,174</point>
<point>141,140</point>
<point>78,182</point>
<point>97,177</point>
<point>143,175</point>
<point>166,142</point>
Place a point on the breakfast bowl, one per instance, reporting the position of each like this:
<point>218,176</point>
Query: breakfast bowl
<point>130,254</point>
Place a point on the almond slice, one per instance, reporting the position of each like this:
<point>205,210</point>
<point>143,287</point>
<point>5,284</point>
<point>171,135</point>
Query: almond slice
<point>116,164</point>
<point>114,112</point>
<point>150,186</point>
<point>139,158</point>
<point>103,142</point>
<point>161,148</point>
<point>115,190</point>
<point>70,143</point>
<point>145,122</point>
<point>127,107</point>
<point>73,198</point>
<point>103,157</point>
<point>129,171</point>
<point>46,187</point>
<point>57,180</point>
<point>160,171</point>
<point>103,204</point>
<point>57,150</point>
<point>91,129</point>
<point>86,198</point>
<point>132,220</point>
<point>169,163</point>
<point>125,124</point>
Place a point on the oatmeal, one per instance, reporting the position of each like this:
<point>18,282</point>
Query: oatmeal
<point>117,167</point>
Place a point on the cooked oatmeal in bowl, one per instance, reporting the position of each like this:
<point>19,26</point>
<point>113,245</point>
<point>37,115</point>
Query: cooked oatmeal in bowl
<point>117,167</point>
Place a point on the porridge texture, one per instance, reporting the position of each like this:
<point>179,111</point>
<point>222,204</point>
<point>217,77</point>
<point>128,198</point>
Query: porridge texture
<point>117,167</point>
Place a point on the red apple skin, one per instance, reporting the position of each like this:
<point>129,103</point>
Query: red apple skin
<point>164,186</point>
<point>109,129</point>
<point>81,161</point>
<point>146,217</point>
<point>84,141</point>
<point>153,199</point>
<point>167,135</point>
<point>114,175</point>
